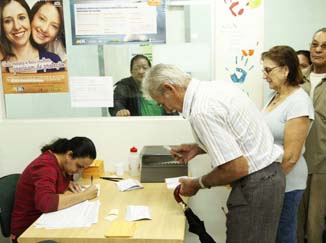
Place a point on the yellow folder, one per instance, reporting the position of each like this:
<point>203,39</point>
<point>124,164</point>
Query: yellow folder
<point>119,229</point>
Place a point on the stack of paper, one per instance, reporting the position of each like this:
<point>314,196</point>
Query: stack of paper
<point>129,184</point>
<point>134,213</point>
<point>80,215</point>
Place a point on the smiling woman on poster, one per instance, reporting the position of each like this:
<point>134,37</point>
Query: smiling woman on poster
<point>20,55</point>
<point>48,26</point>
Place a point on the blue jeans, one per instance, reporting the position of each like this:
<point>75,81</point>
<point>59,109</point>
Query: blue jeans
<point>287,227</point>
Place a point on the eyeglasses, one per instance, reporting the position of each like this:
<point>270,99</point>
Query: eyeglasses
<point>315,45</point>
<point>268,70</point>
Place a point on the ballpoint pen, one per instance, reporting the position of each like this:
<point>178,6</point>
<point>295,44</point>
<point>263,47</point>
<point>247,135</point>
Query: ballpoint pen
<point>111,178</point>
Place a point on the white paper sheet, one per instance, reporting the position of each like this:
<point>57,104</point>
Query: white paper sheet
<point>80,215</point>
<point>134,213</point>
<point>172,183</point>
<point>129,184</point>
<point>91,91</point>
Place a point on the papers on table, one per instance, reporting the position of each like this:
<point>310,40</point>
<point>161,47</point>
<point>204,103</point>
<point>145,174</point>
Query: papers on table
<point>134,213</point>
<point>172,183</point>
<point>80,215</point>
<point>129,184</point>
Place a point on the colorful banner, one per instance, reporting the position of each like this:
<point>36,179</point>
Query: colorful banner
<point>96,22</point>
<point>33,47</point>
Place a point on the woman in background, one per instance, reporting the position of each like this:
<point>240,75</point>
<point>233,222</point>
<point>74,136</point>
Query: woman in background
<point>48,26</point>
<point>288,113</point>
<point>304,59</point>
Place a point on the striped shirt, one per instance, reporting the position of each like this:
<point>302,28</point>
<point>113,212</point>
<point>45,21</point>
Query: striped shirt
<point>227,124</point>
<point>37,191</point>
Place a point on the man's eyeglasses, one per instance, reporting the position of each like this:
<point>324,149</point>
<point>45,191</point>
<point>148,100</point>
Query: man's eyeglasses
<point>268,70</point>
<point>315,45</point>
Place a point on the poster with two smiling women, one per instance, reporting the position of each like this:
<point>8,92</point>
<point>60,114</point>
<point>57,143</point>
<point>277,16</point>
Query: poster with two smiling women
<point>32,46</point>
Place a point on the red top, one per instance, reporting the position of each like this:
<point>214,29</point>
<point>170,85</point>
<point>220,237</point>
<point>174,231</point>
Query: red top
<point>37,191</point>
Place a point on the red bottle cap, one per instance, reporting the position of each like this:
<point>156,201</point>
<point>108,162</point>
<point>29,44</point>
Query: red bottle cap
<point>133,150</point>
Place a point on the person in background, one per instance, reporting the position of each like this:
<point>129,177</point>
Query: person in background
<point>288,113</point>
<point>128,98</point>
<point>304,59</point>
<point>46,183</point>
<point>312,213</point>
<point>15,38</point>
<point>229,127</point>
<point>48,27</point>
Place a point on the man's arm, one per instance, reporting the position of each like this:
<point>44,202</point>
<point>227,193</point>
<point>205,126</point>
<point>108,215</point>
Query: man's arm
<point>221,175</point>
<point>227,173</point>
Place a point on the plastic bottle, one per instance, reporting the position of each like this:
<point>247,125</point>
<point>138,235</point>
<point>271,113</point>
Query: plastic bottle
<point>133,161</point>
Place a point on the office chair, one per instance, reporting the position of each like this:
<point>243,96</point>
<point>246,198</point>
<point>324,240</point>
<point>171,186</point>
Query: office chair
<point>7,194</point>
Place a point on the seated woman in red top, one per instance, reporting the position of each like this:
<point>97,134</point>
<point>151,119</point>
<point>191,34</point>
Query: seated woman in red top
<point>46,184</point>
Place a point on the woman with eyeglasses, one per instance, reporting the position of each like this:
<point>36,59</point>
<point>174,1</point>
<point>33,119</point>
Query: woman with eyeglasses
<point>288,113</point>
<point>46,184</point>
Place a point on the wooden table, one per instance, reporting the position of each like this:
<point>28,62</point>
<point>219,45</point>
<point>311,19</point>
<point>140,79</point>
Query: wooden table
<point>167,224</point>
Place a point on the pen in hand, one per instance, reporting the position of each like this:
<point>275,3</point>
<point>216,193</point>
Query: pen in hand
<point>91,180</point>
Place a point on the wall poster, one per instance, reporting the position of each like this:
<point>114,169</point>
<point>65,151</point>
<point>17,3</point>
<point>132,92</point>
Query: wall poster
<point>32,47</point>
<point>102,22</point>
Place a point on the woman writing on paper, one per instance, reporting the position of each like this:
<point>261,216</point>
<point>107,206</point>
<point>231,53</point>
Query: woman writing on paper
<point>46,183</point>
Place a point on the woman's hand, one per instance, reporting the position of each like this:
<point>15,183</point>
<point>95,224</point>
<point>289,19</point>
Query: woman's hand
<point>90,192</point>
<point>74,187</point>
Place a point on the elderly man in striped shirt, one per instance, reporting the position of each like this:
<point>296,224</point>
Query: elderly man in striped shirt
<point>228,126</point>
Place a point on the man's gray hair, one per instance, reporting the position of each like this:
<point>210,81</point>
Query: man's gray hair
<point>152,84</point>
<point>320,30</point>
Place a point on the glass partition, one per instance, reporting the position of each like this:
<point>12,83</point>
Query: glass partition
<point>188,45</point>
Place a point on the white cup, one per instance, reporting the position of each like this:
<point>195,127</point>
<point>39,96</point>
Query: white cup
<point>119,169</point>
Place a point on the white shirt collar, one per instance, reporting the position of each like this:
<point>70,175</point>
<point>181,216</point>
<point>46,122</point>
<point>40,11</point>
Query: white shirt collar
<point>189,96</point>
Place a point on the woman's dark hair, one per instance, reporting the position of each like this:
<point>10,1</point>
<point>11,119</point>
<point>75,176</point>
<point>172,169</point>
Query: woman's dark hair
<point>6,45</point>
<point>59,7</point>
<point>81,147</point>
<point>306,54</point>
<point>135,58</point>
<point>286,56</point>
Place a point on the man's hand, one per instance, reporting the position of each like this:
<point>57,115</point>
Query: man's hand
<point>74,187</point>
<point>189,187</point>
<point>188,151</point>
<point>123,112</point>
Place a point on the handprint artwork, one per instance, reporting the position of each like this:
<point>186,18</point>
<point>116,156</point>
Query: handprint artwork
<point>241,69</point>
